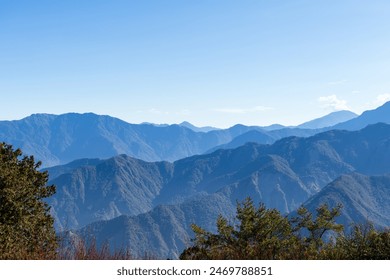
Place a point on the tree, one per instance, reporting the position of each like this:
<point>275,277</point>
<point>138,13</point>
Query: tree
<point>260,234</point>
<point>364,242</point>
<point>26,227</point>
<point>314,228</point>
<point>263,233</point>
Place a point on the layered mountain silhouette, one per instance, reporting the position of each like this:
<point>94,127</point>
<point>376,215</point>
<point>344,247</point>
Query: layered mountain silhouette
<point>282,175</point>
<point>166,231</point>
<point>380,114</point>
<point>334,121</point>
<point>142,186</point>
<point>198,129</point>
<point>59,139</point>
<point>329,120</point>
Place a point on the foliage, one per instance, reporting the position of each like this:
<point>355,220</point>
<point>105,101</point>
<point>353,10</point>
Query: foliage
<point>26,227</point>
<point>263,233</point>
<point>316,227</point>
<point>363,243</point>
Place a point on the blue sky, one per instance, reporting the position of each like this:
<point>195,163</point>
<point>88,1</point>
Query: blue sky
<point>215,62</point>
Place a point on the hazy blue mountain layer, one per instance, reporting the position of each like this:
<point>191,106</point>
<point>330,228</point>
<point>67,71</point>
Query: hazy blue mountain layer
<point>282,175</point>
<point>198,129</point>
<point>329,120</point>
<point>380,114</point>
<point>336,120</point>
<point>59,139</point>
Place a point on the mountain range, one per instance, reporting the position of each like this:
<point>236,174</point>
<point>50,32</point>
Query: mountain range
<point>60,139</point>
<point>142,186</point>
<point>165,231</point>
<point>284,175</point>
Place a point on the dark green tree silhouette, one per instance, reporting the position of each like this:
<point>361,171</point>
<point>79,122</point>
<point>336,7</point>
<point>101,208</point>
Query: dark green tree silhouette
<point>263,233</point>
<point>26,227</point>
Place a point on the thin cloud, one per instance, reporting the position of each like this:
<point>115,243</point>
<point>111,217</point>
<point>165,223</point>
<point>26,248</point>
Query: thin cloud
<point>333,102</point>
<point>243,110</point>
<point>382,99</point>
<point>339,82</point>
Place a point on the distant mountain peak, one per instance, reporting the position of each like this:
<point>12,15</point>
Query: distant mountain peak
<point>196,128</point>
<point>380,114</point>
<point>329,120</point>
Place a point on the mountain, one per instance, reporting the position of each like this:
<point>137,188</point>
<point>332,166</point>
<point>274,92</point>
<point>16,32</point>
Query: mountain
<point>380,114</point>
<point>336,120</point>
<point>261,136</point>
<point>364,198</point>
<point>250,136</point>
<point>126,186</point>
<point>282,175</point>
<point>149,206</point>
<point>273,127</point>
<point>198,129</point>
<point>329,120</point>
<point>59,139</point>
<point>105,189</point>
<point>163,232</point>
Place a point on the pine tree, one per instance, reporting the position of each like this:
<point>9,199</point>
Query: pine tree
<point>26,227</point>
<point>262,233</point>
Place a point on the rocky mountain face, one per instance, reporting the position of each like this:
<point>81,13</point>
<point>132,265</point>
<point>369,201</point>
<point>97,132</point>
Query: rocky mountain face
<point>364,199</point>
<point>163,232</point>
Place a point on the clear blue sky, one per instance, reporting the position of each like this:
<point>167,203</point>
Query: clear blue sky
<point>215,62</point>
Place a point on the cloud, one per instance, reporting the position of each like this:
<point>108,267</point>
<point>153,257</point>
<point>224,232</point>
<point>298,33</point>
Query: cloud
<point>339,82</point>
<point>382,99</point>
<point>243,110</point>
<point>333,102</point>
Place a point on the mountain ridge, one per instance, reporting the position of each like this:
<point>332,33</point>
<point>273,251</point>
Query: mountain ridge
<point>364,199</point>
<point>282,175</point>
<point>329,120</point>
<point>59,139</point>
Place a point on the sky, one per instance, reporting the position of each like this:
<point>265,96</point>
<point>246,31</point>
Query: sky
<point>214,62</point>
